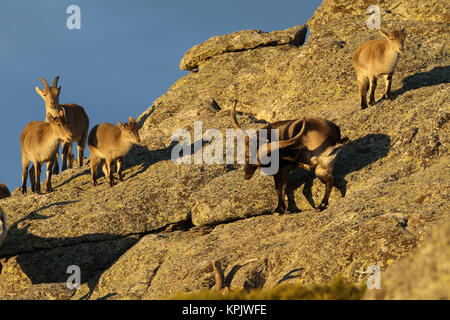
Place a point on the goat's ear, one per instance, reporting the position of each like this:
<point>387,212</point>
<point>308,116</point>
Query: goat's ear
<point>120,125</point>
<point>39,91</point>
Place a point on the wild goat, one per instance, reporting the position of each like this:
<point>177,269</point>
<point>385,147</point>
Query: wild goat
<point>39,143</point>
<point>77,120</point>
<point>4,191</point>
<point>3,229</point>
<point>375,58</point>
<point>303,143</point>
<point>109,144</point>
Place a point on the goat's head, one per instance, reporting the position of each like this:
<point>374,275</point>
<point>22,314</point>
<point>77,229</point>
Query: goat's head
<point>50,94</point>
<point>395,39</point>
<point>130,130</point>
<point>266,148</point>
<point>60,126</point>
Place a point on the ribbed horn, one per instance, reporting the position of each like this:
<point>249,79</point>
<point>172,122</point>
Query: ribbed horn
<point>44,82</point>
<point>270,147</point>
<point>55,82</point>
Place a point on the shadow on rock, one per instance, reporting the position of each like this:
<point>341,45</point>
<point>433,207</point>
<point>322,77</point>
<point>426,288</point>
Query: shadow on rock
<point>353,156</point>
<point>45,260</point>
<point>436,76</point>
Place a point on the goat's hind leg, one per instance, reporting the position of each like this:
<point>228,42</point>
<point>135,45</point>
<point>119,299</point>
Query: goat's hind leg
<point>324,171</point>
<point>363,84</point>
<point>25,164</point>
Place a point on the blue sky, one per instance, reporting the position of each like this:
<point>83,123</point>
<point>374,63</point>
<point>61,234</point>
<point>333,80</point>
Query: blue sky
<point>125,55</point>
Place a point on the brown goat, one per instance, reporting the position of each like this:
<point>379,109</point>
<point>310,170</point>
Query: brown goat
<point>4,191</point>
<point>308,144</point>
<point>39,143</point>
<point>77,120</point>
<point>375,58</point>
<point>3,228</point>
<point>109,144</point>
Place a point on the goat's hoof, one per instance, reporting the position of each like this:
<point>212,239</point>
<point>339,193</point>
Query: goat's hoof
<point>321,207</point>
<point>279,210</point>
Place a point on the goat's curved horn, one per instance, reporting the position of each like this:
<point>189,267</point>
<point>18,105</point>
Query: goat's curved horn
<point>270,147</point>
<point>44,82</point>
<point>236,124</point>
<point>55,82</point>
<point>238,127</point>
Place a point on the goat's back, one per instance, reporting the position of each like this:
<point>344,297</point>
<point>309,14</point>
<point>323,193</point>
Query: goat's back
<point>104,137</point>
<point>77,119</point>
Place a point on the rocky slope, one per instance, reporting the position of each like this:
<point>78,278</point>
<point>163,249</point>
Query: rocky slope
<point>156,233</point>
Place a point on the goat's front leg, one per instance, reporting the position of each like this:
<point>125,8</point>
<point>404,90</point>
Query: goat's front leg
<point>37,176</point>
<point>280,186</point>
<point>373,86</point>
<point>49,176</point>
<point>65,152</point>
<point>388,82</point>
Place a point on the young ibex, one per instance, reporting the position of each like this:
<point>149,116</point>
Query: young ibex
<point>375,58</point>
<point>4,191</point>
<point>109,144</point>
<point>39,143</point>
<point>306,143</point>
<point>77,120</point>
<point>3,229</point>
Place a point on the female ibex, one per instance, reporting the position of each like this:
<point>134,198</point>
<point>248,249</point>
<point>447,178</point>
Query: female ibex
<point>306,143</point>
<point>4,191</point>
<point>39,143</point>
<point>109,144</point>
<point>375,58</point>
<point>77,120</point>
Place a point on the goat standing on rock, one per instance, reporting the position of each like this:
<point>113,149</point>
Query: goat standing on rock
<point>109,144</point>
<point>375,58</point>
<point>39,143</point>
<point>305,143</point>
<point>77,120</point>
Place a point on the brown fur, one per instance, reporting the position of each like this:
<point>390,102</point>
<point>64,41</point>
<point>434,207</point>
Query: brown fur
<point>316,145</point>
<point>375,58</point>
<point>4,191</point>
<point>3,227</point>
<point>109,144</point>
<point>39,143</point>
<point>77,119</point>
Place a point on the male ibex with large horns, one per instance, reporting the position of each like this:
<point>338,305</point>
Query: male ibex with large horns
<point>77,120</point>
<point>375,58</point>
<point>303,143</point>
